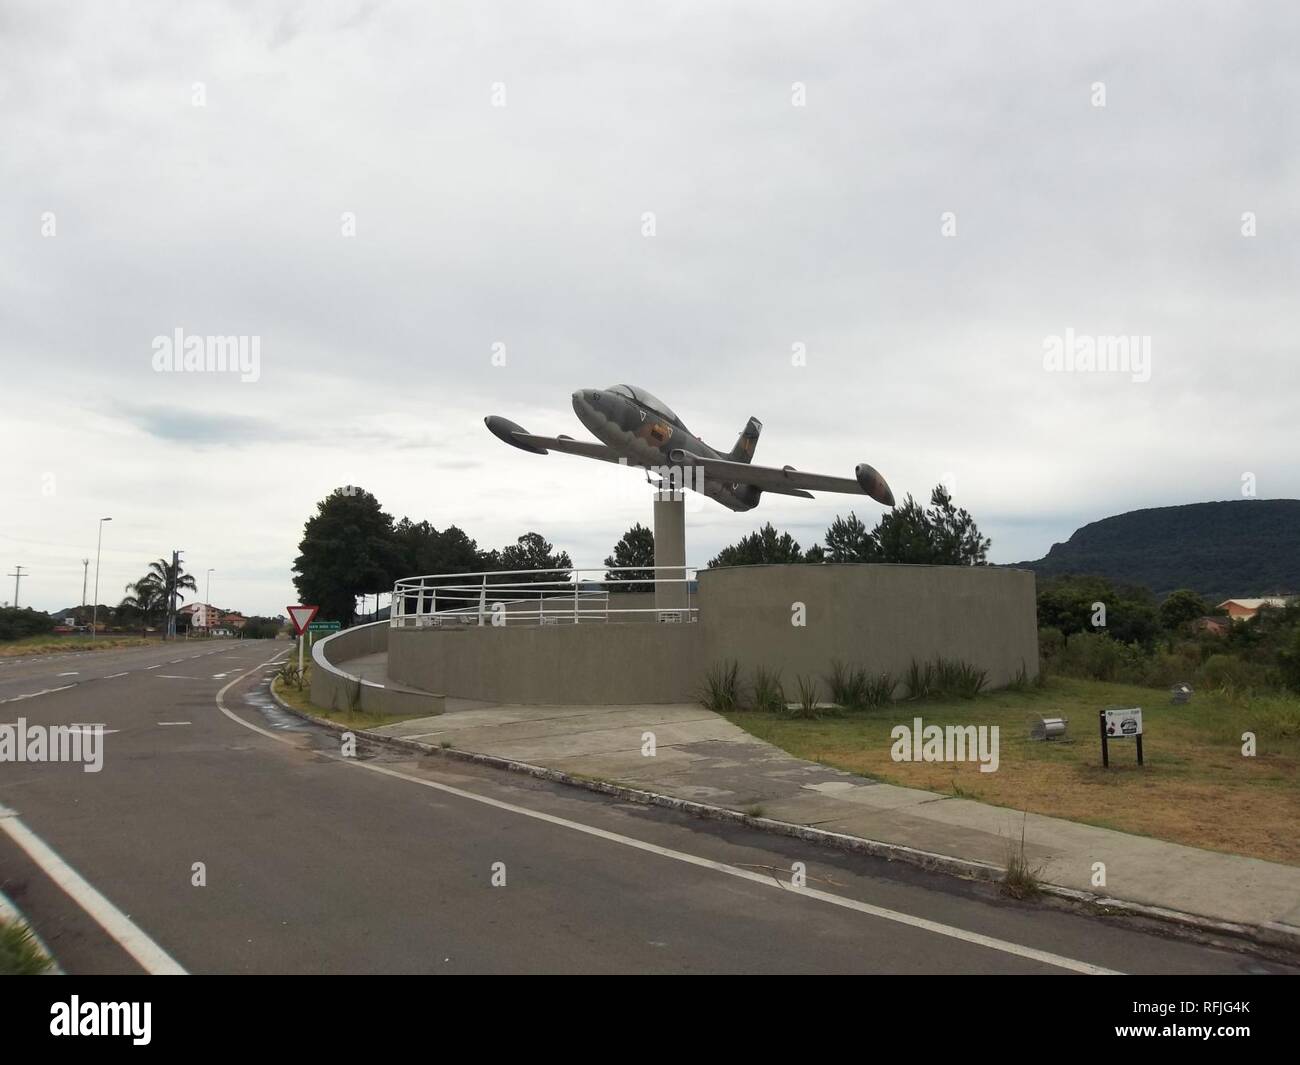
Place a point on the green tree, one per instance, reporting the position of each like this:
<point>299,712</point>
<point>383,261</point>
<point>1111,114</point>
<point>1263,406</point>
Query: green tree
<point>957,539</point>
<point>904,535</point>
<point>533,551</point>
<point>348,550</point>
<point>847,540</point>
<point>17,623</point>
<point>636,548</point>
<point>1181,607</point>
<point>765,547</point>
<point>144,600</point>
<point>424,550</point>
<point>943,535</point>
<point>1072,603</point>
<point>262,628</point>
<point>1289,662</point>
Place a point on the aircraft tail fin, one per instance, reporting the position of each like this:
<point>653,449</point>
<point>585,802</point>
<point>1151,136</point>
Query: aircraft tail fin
<point>748,440</point>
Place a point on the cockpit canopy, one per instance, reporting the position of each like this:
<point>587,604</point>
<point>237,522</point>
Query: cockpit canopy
<point>646,400</point>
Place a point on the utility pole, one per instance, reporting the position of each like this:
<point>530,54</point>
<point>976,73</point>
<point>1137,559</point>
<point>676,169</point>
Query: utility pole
<point>17,576</point>
<point>94,615</point>
<point>172,578</point>
<point>207,605</point>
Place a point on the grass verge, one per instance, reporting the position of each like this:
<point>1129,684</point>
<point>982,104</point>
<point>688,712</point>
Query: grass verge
<point>300,699</point>
<point>48,645</point>
<point>1197,786</point>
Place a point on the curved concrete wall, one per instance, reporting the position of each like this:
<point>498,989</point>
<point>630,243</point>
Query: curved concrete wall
<point>877,616</point>
<point>578,665</point>
<point>333,686</point>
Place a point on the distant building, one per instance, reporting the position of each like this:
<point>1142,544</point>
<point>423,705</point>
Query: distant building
<point>200,615</point>
<point>233,620</point>
<point>1213,623</point>
<point>1244,609</point>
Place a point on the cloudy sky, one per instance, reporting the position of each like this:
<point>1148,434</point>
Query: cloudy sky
<point>917,197</point>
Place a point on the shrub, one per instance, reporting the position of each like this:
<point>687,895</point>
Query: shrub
<point>806,704</point>
<point>768,695</point>
<point>1020,682</point>
<point>920,680</point>
<point>17,623</point>
<point>1051,642</point>
<point>1228,671</point>
<point>19,953</point>
<point>879,690</point>
<point>1097,656</point>
<point>721,691</point>
<point>848,686</point>
<point>952,676</point>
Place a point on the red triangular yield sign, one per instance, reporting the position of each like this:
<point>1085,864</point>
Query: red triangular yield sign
<point>301,617</point>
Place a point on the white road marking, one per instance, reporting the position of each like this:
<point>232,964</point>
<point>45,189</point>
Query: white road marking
<point>218,676</point>
<point>173,676</point>
<point>175,722</point>
<point>123,930</point>
<point>74,673</point>
<point>153,667</point>
<point>1042,956</point>
<point>114,676</point>
<point>173,661</point>
<point>33,695</point>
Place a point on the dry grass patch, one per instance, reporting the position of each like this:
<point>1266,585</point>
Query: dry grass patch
<point>1196,787</point>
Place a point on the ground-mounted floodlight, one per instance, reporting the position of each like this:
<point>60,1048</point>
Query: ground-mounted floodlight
<point>1181,693</point>
<point>1049,728</point>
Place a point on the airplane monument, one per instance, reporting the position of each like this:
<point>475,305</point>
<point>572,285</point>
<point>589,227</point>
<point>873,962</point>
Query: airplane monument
<point>634,428</point>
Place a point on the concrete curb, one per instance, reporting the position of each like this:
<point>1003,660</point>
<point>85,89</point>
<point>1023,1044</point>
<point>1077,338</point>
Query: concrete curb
<point>1271,937</point>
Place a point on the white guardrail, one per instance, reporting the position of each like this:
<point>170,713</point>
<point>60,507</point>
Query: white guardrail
<point>546,597</point>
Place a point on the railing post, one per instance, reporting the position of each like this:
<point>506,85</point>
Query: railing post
<point>482,600</point>
<point>577,583</point>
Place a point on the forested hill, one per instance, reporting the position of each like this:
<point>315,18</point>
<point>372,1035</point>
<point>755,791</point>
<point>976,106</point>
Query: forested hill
<point>1247,547</point>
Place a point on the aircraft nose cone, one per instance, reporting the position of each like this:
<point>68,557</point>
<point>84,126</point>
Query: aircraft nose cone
<point>585,399</point>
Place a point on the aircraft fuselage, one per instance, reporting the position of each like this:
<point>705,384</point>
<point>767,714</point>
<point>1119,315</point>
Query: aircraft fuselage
<point>646,437</point>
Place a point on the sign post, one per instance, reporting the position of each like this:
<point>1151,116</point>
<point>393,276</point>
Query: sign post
<point>301,617</point>
<point>1120,723</point>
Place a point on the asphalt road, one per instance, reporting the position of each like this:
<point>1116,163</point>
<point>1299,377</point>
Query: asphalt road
<point>384,863</point>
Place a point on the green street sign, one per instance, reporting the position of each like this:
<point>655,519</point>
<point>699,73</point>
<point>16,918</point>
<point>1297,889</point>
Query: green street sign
<point>324,626</point>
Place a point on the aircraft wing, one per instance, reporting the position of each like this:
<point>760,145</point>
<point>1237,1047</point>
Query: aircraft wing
<point>788,480</point>
<point>587,449</point>
<point>517,436</point>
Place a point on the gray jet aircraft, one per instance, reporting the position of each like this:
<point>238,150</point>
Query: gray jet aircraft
<point>636,429</point>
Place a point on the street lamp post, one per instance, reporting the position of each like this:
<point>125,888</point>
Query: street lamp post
<point>94,614</point>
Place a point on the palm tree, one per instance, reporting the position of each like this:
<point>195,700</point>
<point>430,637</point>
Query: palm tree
<point>168,576</point>
<point>146,597</point>
<point>153,592</point>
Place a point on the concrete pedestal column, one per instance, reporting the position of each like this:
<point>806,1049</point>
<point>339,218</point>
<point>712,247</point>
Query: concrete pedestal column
<point>670,551</point>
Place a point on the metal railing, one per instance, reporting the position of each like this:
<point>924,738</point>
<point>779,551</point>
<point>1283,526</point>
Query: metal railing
<point>546,597</point>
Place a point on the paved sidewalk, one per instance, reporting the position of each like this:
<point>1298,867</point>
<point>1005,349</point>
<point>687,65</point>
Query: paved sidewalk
<point>702,757</point>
